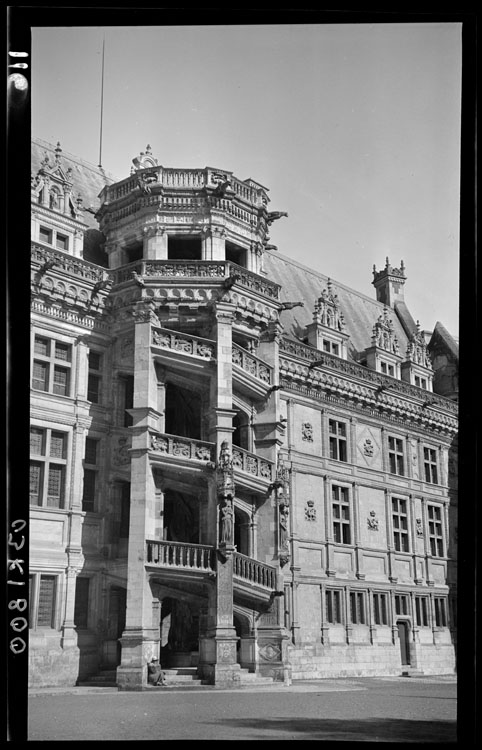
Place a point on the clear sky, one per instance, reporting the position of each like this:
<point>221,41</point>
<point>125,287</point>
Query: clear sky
<point>353,128</point>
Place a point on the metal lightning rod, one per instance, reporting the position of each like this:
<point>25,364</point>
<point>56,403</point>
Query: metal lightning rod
<point>101,103</point>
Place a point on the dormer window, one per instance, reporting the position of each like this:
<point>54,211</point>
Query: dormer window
<point>62,242</point>
<point>384,353</point>
<point>327,332</point>
<point>387,369</point>
<point>417,368</point>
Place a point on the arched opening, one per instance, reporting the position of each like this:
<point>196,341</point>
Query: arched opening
<point>179,633</point>
<point>241,432</point>
<point>183,412</point>
<point>242,528</point>
<point>181,517</point>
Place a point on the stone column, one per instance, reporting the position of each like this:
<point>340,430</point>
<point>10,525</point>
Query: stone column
<point>155,242</point>
<point>218,243</point>
<point>140,640</point>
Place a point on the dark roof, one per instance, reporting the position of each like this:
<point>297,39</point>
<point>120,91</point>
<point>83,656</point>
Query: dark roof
<point>88,180</point>
<point>302,284</point>
<point>441,337</point>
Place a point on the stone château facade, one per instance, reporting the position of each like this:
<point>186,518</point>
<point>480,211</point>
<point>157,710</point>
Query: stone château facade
<point>239,467</point>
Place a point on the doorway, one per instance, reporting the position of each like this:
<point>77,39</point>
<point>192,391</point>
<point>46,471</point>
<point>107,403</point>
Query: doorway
<point>404,639</point>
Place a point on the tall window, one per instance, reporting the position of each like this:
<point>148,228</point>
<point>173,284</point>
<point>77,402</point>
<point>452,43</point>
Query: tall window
<point>395,455</point>
<point>357,607</point>
<point>51,366</point>
<point>400,524</point>
<point>126,400</point>
<point>401,604</point>
<point>341,514</point>
<point>439,603</point>
<point>421,611</point>
<point>435,534</point>
<point>94,379</point>
<point>81,606</point>
<point>380,609</point>
<point>337,432</point>
<point>48,460</point>
<point>125,500</point>
<point>430,465</point>
<point>333,601</point>
<point>42,600</point>
<point>90,474</point>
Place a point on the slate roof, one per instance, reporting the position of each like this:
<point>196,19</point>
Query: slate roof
<point>302,284</point>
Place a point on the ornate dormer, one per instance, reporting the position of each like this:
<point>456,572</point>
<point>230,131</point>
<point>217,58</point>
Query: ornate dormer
<point>56,212</point>
<point>417,368</point>
<point>384,353</point>
<point>328,331</point>
<point>389,283</point>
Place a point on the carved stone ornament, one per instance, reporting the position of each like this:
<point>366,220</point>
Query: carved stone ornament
<point>310,511</point>
<point>307,432</point>
<point>419,527</point>
<point>121,452</point>
<point>368,447</point>
<point>372,521</point>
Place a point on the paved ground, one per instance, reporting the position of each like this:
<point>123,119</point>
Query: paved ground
<point>389,709</point>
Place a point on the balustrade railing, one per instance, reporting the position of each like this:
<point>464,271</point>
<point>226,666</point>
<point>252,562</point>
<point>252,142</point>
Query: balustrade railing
<point>69,263</point>
<point>354,369</point>
<point>183,342</point>
<point>252,464</point>
<point>252,364</point>
<point>254,571</point>
<point>181,447</point>
<point>180,555</point>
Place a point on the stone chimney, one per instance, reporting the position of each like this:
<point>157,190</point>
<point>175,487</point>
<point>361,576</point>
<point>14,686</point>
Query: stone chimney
<point>389,283</point>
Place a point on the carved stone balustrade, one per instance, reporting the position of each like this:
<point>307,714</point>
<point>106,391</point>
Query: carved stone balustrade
<point>197,557</point>
<point>174,341</point>
<point>176,447</point>
<point>67,263</point>
<point>252,365</point>
<point>250,463</point>
<point>254,572</point>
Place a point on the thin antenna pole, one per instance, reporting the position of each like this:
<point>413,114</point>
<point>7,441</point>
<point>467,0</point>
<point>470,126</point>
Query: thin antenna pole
<point>101,103</point>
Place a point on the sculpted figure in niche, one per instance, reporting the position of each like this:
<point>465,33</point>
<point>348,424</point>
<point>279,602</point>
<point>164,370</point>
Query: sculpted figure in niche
<point>372,521</point>
<point>227,526</point>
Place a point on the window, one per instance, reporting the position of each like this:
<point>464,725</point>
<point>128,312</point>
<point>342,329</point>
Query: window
<point>51,366</point>
<point>62,242</point>
<point>401,604</point>
<point>420,382</point>
<point>48,451</point>
<point>435,530</point>
<point>125,499</point>
<point>380,609</point>
<point>94,378</point>
<point>81,606</point>
<point>357,607</point>
<point>439,603</point>
<point>331,347</point>
<point>421,611</point>
<point>90,474</point>
<point>333,607</point>
<point>430,465</point>
<point>45,235</point>
<point>126,400</point>
<point>387,369</point>
<point>395,455</point>
<point>42,600</point>
<point>337,432</point>
<point>400,524</point>
<point>341,514</point>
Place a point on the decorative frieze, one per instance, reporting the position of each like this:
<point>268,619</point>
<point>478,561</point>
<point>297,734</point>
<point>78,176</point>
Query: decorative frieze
<point>251,364</point>
<point>180,447</point>
<point>180,342</point>
<point>251,464</point>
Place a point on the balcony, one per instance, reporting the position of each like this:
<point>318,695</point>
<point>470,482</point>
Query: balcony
<point>181,349</point>
<point>252,471</point>
<point>253,376</point>
<point>180,560</point>
<point>181,452</point>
